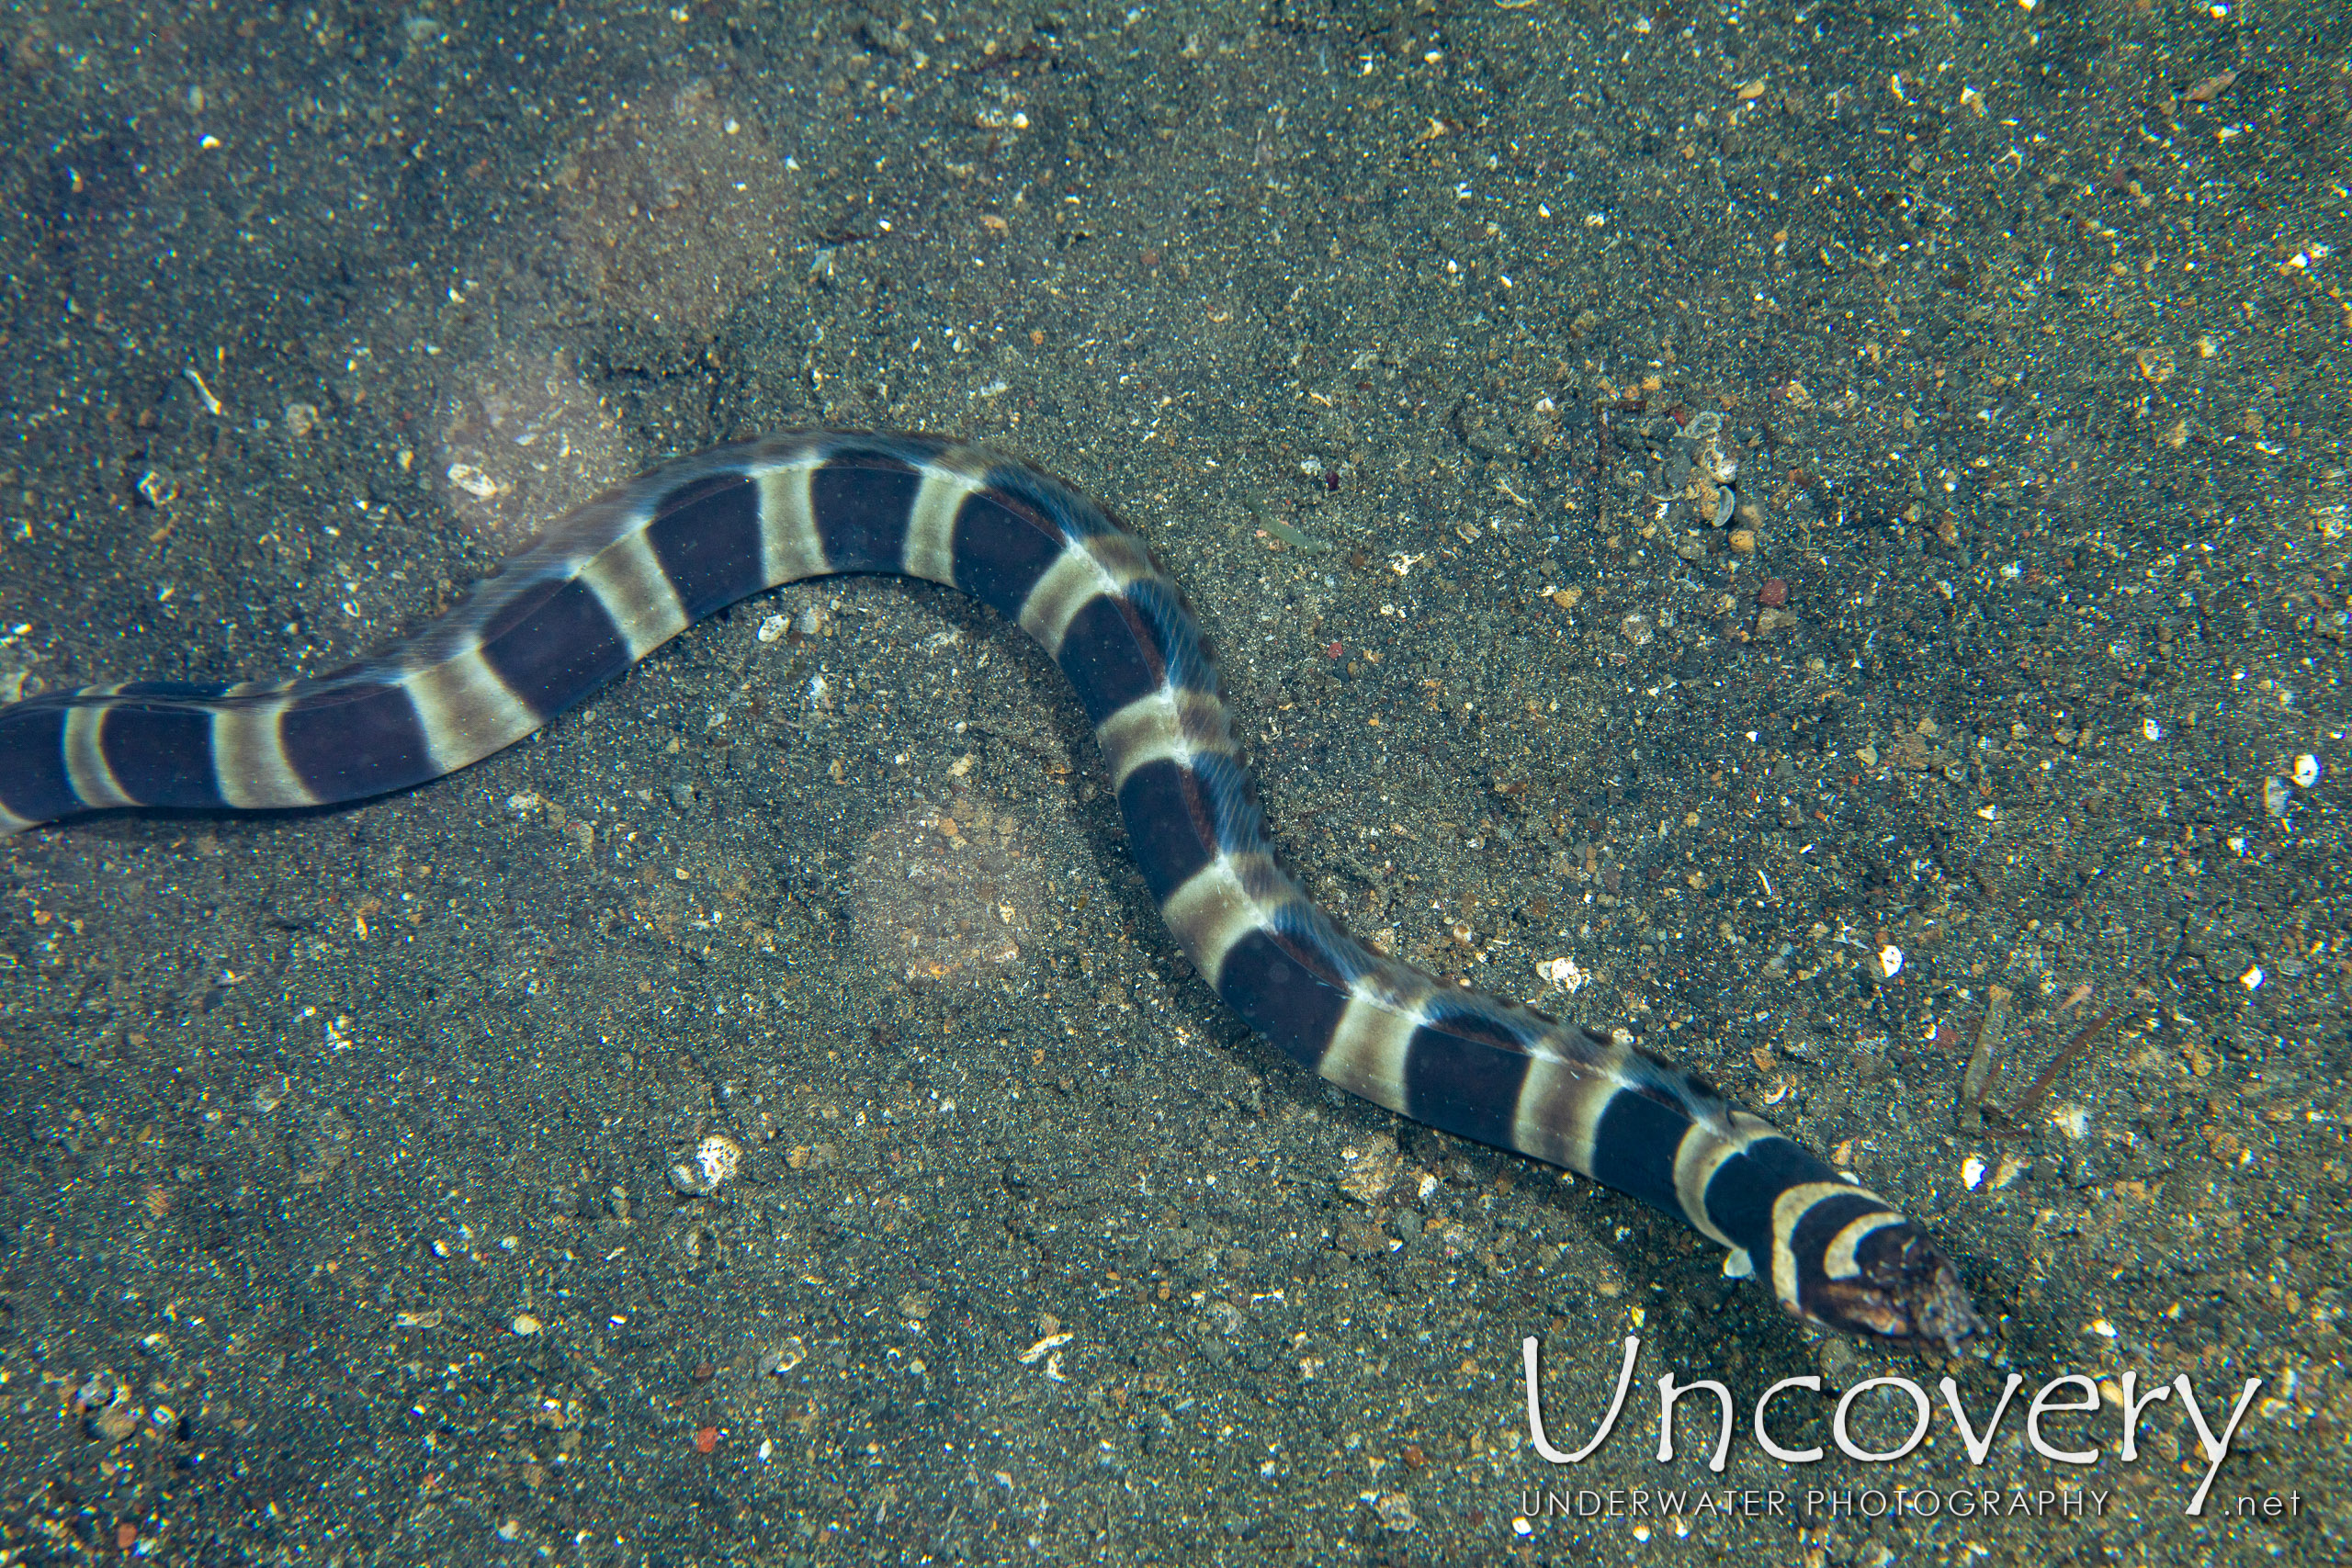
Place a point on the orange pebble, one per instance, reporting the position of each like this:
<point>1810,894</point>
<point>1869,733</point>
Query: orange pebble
<point>125,1536</point>
<point>705,1439</point>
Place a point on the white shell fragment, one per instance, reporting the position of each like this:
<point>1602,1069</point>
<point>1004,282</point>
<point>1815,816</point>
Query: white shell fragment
<point>2307,770</point>
<point>1564,972</point>
<point>716,1161</point>
<point>1890,961</point>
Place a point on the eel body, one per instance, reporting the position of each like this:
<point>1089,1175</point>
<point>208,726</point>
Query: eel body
<point>617,579</point>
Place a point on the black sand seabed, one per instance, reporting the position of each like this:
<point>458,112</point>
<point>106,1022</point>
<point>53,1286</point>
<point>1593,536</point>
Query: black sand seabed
<point>338,1224</point>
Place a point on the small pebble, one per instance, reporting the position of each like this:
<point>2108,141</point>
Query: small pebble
<point>1370,1166</point>
<point>716,1161</point>
<point>119,1419</point>
<point>1774,594</point>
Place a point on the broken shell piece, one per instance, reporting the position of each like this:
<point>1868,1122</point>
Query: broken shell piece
<point>714,1163</point>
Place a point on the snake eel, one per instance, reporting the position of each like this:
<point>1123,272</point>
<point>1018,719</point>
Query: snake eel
<point>617,577</point>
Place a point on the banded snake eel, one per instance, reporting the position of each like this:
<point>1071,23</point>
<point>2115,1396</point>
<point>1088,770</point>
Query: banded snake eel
<point>607,585</point>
